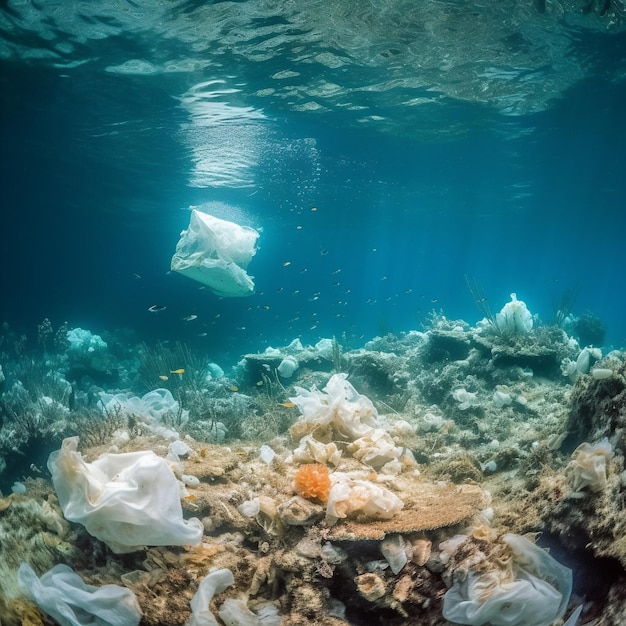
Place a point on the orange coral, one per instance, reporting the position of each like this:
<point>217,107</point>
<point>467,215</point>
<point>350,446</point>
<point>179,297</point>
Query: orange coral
<point>312,481</point>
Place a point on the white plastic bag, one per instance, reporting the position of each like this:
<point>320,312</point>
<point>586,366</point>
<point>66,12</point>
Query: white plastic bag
<point>127,500</point>
<point>216,253</point>
<point>214,582</point>
<point>535,592</point>
<point>64,596</point>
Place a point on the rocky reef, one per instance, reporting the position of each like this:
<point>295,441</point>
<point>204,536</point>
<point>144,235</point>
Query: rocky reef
<point>399,483</point>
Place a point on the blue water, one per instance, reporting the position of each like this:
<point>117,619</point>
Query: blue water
<point>99,166</point>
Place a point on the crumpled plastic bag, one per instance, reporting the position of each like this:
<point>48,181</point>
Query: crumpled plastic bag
<point>127,500</point>
<point>216,253</point>
<point>63,595</point>
<point>537,594</point>
<point>351,414</point>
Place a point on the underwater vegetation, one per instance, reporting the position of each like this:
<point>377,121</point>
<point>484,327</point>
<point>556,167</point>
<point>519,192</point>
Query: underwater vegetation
<point>456,474</point>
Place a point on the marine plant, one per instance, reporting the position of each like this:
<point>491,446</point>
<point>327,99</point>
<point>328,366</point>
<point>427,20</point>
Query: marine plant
<point>480,300</point>
<point>589,329</point>
<point>30,423</point>
<point>174,367</point>
<point>563,308</point>
<point>214,406</point>
<point>96,426</point>
<point>13,345</point>
<point>50,339</point>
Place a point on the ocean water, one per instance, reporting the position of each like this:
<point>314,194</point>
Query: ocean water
<point>406,163</point>
<point>436,142</point>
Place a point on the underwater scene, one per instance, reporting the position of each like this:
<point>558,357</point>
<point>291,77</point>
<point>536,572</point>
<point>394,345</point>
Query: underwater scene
<point>312,313</point>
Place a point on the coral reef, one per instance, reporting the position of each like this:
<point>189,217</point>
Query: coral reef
<point>597,406</point>
<point>387,484</point>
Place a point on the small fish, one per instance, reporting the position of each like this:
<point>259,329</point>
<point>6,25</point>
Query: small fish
<point>157,308</point>
<point>266,307</point>
<point>313,209</point>
<point>286,263</point>
<point>202,334</point>
<point>287,405</point>
<point>233,388</point>
<point>190,318</point>
<point>298,227</point>
<point>336,271</point>
<point>136,275</point>
<point>323,252</point>
<point>259,383</point>
<point>180,371</point>
<point>163,377</point>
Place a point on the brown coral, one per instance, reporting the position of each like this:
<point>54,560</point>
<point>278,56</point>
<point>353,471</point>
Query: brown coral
<point>427,506</point>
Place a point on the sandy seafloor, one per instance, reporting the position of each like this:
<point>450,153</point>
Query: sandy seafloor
<point>430,449</point>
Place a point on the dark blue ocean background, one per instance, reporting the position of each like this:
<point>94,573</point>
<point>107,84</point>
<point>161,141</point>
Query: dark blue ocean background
<point>381,210</point>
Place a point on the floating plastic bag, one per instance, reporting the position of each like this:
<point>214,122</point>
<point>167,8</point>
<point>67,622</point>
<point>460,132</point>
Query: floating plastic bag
<point>216,253</point>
